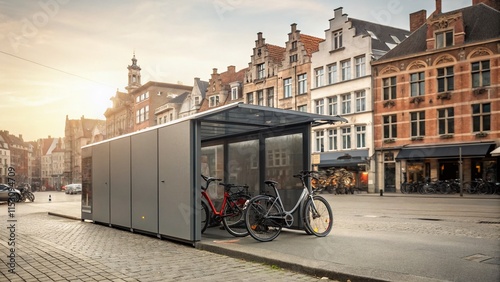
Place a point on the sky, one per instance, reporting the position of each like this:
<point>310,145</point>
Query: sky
<point>63,58</point>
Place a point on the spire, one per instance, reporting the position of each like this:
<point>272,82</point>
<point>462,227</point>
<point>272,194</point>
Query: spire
<point>134,75</point>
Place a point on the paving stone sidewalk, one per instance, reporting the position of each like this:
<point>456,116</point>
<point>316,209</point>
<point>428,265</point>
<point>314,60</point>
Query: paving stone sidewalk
<point>51,248</point>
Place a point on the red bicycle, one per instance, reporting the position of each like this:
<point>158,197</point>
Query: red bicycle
<point>231,210</point>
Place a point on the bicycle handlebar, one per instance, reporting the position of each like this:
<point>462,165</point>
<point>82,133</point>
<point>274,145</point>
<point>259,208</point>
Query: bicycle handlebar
<point>305,173</point>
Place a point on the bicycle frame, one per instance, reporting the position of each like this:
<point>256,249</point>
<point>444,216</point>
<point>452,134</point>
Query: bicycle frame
<point>211,204</point>
<point>287,215</point>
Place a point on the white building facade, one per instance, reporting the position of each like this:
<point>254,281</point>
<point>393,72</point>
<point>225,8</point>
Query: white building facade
<point>342,85</point>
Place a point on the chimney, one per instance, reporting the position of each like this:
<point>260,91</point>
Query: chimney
<point>231,69</point>
<point>417,19</point>
<point>294,27</point>
<point>438,7</point>
<point>214,71</point>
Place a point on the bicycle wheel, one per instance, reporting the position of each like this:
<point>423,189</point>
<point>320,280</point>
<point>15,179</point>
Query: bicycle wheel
<point>263,218</point>
<point>318,216</point>
<point>233,218</point>
<point>205,216</point>
<point>31,197</point>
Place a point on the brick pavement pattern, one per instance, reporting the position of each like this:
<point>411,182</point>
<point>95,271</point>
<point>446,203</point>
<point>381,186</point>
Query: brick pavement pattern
<point>51,248</point>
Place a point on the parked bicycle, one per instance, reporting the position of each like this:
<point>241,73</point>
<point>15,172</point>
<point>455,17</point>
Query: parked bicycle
<point>265,214</point>
<point>26,194</point>
<point>231,210</point>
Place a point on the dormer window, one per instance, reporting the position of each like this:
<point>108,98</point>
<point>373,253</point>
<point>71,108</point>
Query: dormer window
<point>444,39</point>
<point>234,93</point>
<point>213,101</point>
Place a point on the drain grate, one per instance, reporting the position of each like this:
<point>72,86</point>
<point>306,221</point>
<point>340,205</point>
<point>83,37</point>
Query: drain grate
<point>490,222</point>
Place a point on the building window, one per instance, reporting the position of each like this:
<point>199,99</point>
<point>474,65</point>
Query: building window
<point>293,58</point>
<point>320,141</point>
<point>444,39</point>
<point>346,103</point>
<point>142,97</point>
<point>360,66</point>
<point>302,108</point>
<point>337,39</point>
<point>446,121</point>
<point>417,84</point>
<point>346,70</point>
<point>302,79</point>
<point>332,74</point>
<point>360,101</point>
<point>333,106</point>
<point>480,74</point>
<point>142,114</point>
<point>294,45</point>
<point>389,86</point>
<point>417,124</point>
<point>346,138</point>
<point>260,98</point>
<point>332,139</point>
<point>250,98</point>
<point>390,127</point>
<point>287,87</point>
<point>445,79</point>
<point>261,71</point>
<point>318,77</point>
<point>481,117</point>
<point>197,100</point>
<point>234,93</point>
<point>213,101</point>
<point>319,105</point>
<point>270,97</point>
<point>361,136</point>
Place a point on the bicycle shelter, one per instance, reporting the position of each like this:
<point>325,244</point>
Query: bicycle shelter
<point>149,181</point>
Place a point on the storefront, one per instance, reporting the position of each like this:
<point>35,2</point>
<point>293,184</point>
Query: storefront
<point>444,162</point>
<point>357,162</point>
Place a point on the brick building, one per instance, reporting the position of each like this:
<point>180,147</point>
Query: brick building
<point>224,88</point>
<point>436,98</point>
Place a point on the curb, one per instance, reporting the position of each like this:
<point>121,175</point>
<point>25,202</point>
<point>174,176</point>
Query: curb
<point>289,265</point>
<point>64,216</point>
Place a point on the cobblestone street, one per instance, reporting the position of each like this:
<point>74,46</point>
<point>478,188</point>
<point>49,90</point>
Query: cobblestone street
<point>52,248</point>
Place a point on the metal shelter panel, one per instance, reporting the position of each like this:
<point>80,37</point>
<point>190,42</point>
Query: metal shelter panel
<point>145,181</point>
<point>177,218</point>
<point>120,187</point>
<point>100,183</point>
<point>164,166</point>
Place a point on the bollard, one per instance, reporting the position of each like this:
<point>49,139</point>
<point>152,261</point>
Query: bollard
<point>381,192</point>
<point>50,199</point>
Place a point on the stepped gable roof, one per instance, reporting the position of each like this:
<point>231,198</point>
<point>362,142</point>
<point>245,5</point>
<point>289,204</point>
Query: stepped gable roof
<point>481,22</point>
<point>382,33</point>
<point>276,53</point>
<point>311,43</point>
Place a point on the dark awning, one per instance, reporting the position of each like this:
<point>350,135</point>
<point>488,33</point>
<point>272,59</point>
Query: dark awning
<point>445,151</point>
<point>343,159</point>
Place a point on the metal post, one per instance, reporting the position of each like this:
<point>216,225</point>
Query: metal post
<point>460,172</point>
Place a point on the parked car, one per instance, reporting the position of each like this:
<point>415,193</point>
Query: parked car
<point>74,188</point>
<point>4,193</point>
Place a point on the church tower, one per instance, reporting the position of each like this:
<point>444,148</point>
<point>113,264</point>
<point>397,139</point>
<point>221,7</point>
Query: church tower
<point>134,75</point>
